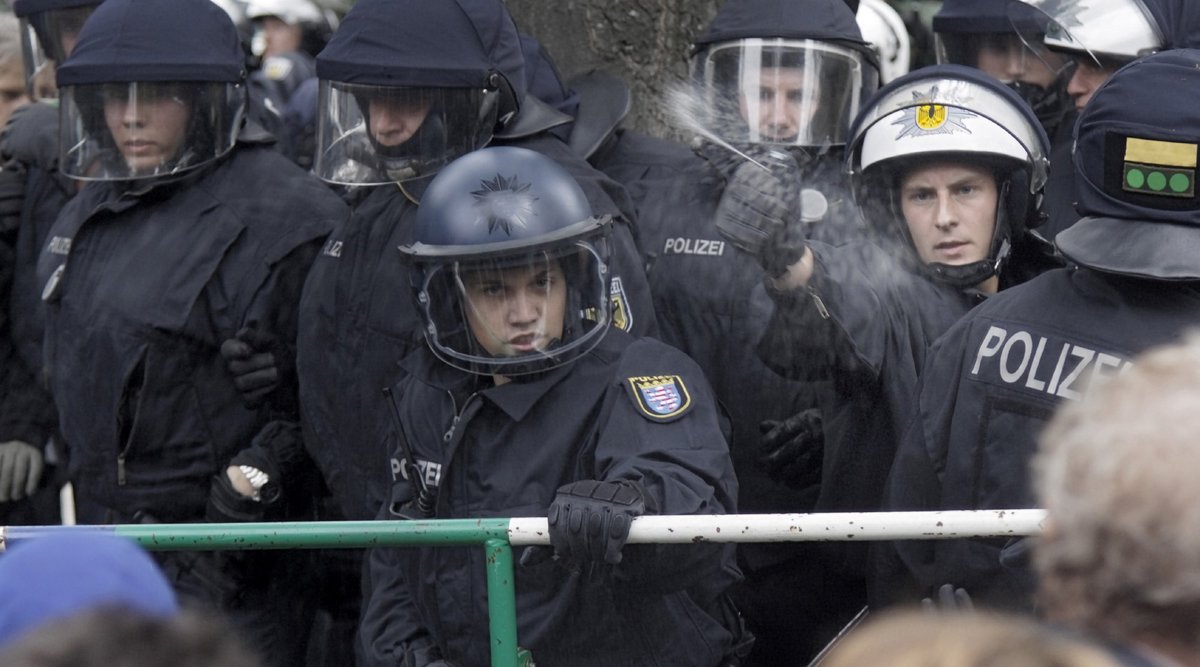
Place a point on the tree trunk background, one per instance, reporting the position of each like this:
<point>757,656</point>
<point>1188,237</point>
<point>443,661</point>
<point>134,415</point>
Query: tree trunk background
<point>645,42</point>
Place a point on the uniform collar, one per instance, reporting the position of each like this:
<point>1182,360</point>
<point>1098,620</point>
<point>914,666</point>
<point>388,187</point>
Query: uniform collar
<point>515,399</point>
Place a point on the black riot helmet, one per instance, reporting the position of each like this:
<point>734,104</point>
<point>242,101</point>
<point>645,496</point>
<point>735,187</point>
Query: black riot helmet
<point>1135,163</point>
<point>1006,39</point>
<point>151,89</point>
<point>783,73</point>
<point>509,268</point>
<point>49,29</point>
<point>948,113</point>
<point>406,86</point>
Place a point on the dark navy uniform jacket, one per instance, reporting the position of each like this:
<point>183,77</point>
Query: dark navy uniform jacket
<point>989,386</point>
<point>360,322</point>
<point>141,287</point>
<point>503,451</point>
<point>27,411</point>
<point>639,161</point>
<point>865,323</point>
<point>710,304</point>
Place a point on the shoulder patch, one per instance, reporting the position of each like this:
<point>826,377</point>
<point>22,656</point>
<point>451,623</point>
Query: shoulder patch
<point>660,398</point>
<point>621,317</point>
<point>277,69</point>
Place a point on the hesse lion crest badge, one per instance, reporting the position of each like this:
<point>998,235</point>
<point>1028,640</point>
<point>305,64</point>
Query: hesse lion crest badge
<point>660,397</point>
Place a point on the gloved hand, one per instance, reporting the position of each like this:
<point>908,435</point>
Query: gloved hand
<point>257,362</point>
<point>589,519</point>
<point>759,212</point>
<point>950,600</point>
<point>21,468</point>
<point>31,136</point>
<point>227,505</point>
<point>793,450</point>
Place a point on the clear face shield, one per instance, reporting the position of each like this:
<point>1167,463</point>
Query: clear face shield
<point>781,91</point>
<point>125,131</point>
<point>47,38</point>
<point>372,135</point>
<point>1101,35</point>
<point>517,314</point>
<point>1010,57</point>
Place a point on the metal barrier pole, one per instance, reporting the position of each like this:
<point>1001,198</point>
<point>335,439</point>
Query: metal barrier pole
<point>498,536</point>
<point>502,605</point>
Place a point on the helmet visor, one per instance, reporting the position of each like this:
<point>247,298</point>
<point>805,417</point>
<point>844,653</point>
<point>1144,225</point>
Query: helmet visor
<point>519,313</point>
<point>781,91</point>
<point>948,117</point>
<point>1009,57</point>
<point>371,135</point>
<point>123,131</point>
<point>47,38</point>
<point>1108,34</point>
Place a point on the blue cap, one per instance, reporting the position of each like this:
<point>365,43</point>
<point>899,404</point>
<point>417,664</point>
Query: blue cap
<point>57,576</point>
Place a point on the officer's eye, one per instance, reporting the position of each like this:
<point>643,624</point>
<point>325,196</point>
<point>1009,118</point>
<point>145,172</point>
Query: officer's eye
<point>766,94</point>
<point>919,196</point>
<point>544,281</point>
<point>796,96</point>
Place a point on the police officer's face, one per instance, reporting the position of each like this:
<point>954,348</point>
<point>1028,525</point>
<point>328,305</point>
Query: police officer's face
<point>782,106</point>
<point>950,208</point>
<point>279,37</point>
<point>148,122</point>
<point>394,120</point>
<point>12,88</point>
<point>516,311</point>
<point>1006,58</point>
<point>1086,80</point>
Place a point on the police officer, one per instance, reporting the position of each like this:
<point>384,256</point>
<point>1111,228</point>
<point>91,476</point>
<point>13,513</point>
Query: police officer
<point>190,236</point>
<point>779,81</point>
<point>288,34</point>
<point>1007,40</point>
<point>410,86</point>
<point>946,163</point>
<point>32,192</point>
<point>994,378</point>
<point>528,401</point>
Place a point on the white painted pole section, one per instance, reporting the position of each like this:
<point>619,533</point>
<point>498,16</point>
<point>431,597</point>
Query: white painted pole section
<point>824,527</point>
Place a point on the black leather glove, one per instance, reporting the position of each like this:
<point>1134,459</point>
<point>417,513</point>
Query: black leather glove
<point>258,363</point>
<point>793,450</point>
<point>589,519</point>
<point>31,136</point>
<point>227,505</point>
<point>759,211</point>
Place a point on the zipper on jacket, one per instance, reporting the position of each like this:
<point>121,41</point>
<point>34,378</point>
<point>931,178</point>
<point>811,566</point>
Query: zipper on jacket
<point>819,303</point>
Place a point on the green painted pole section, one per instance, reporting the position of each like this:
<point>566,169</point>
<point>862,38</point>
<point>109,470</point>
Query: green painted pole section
<point>502,603</point>
<point>289,535</point>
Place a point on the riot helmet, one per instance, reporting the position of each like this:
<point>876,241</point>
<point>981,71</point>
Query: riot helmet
<point>508,265</point>
<point>406,86</point>
<point>151,89</point>
<point>883,28</point>
<point>948,114</point>
<point>307,26</point>
<point>1105,33</point>
<point>1135,164</point>
<point>49,29</point>
<point>782,73</point>
<point>1006,39</point>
